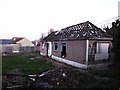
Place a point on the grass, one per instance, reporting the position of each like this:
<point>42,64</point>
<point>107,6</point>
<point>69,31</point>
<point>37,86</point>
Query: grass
<point>107,78</point>
<point>25,64</point>
<point>97,80</point>
<point>112,72</point>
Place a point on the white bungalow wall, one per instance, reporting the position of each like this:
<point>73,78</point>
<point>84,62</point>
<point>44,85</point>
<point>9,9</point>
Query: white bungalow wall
<point>87,45</point>
<point>69,62</point>
<point>50,49</point>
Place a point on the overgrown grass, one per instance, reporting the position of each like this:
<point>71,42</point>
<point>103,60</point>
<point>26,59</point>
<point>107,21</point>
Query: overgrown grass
<point>94,80</point>
<point>25,64</point>
<point>112,72</point>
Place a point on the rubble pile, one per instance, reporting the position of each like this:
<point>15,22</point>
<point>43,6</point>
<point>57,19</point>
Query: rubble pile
<point>59,77</point>
<point>64,77</point>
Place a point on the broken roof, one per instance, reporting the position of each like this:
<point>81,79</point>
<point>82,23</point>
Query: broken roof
<point>85,30</point>
<point>52,36</point>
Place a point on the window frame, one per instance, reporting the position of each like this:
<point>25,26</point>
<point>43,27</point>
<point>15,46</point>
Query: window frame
<point>62,44</point>
<point>55,49</point>
<point>99,47</point>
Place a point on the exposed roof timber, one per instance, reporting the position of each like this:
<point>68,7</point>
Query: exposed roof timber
<point>85,30</point>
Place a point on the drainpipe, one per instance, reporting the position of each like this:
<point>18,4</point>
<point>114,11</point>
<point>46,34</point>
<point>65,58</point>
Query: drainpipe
<point>87,44</point>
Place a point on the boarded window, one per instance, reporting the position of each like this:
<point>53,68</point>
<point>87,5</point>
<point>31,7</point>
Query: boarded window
<point>102,47</point>
<point>55,46</point>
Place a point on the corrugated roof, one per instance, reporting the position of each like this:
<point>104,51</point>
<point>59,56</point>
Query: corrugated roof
<point>85,30</point>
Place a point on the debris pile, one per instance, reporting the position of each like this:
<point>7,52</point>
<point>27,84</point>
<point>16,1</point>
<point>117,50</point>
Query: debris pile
<point>63,77</point>
<point>59,77</point>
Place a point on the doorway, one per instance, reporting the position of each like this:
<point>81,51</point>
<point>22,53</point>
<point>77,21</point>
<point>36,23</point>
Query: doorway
<point>63,50</point>
<point>47,46</point>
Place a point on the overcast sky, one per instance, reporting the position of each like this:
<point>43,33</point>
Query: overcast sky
<point>30,18</point>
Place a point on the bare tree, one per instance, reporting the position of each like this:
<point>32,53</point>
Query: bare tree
<point>50,31</point>
<point>42,36</point>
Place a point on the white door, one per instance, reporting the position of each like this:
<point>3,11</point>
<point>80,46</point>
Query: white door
<point>49,48</point>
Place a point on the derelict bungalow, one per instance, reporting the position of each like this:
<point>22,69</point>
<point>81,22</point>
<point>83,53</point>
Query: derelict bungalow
<point>80,45</point>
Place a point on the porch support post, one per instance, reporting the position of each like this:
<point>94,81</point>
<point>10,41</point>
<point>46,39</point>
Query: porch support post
<point>87,46</point>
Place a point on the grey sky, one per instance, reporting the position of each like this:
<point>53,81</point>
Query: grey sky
<point>30,18</point>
